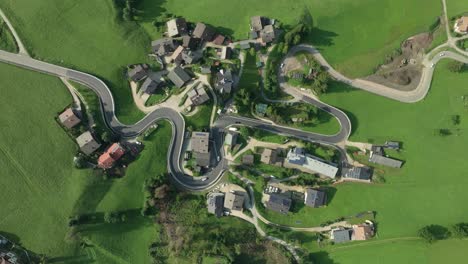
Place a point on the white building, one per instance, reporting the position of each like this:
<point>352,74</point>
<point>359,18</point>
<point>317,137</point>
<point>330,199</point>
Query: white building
<point>298,159</point>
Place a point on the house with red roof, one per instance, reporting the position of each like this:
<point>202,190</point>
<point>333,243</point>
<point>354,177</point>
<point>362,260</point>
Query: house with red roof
<point>112,154</point>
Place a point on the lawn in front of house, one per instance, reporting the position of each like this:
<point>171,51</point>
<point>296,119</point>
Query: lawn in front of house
<point>84,35</point>
<point>434,164</point>
<point>365,41</point>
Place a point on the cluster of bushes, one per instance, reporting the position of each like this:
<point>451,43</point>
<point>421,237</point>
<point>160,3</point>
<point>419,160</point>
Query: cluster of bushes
<point>292,37</point>
<point>153,188</point>
<point>128,8</point>
<point>456,66</point>
<point>282,113</point>
<point>432,233</point>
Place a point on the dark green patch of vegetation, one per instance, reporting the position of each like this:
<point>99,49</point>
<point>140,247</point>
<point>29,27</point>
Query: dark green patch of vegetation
<point>7,41</point>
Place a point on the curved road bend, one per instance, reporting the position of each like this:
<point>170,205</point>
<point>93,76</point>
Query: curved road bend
<point>403,96</point>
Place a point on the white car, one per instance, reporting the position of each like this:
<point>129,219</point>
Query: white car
<point>432,65</point>
<point>204,179</point>
<point>282,65</point>
<point>441,54</point>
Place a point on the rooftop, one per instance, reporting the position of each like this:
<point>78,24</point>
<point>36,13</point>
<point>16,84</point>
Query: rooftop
<point>278,203</point>
<point>298,157</point>
<point>234,201</point>
<point>200,142</point>
<point>315,198</point>
<point>178,76</point>
<point>382,160</point>
<point>216,204</point>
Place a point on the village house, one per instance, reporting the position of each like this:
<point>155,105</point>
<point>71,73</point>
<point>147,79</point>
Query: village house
<point>87,143</point>
<point>261,109</point>
<point>190,43</point>
<point>197,96</point>
<point>298,159</point>
<point>150,85</point>
<point>278,203</point>
<point>262,28</point>
<point>205,69</point>
<point>230,139</point>
<point>163,47</point>
<point>315,198</point>
<point>234,201</point>
<point>357,173</point>
<point>178,76</point>
<point>224,81</point>
<point>219,39</point>
<point>461,25</point>
<point>392,145</point>
<point>200,143</point>
<point>248,159</point>
<point>138,72</point>
<point>225,53</point>
<point>385,161</point>
<point>268,156</point>
<point>216,204</point>
<point>68,118</point>
<point>204,32</point>
<point>362,232</point>
<point>176,27</point>
<point>341,235</point>
<point>191,57</point>
<point>176,56</point>
<point>110,156</point>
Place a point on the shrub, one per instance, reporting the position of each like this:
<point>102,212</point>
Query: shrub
<point>432,233</point>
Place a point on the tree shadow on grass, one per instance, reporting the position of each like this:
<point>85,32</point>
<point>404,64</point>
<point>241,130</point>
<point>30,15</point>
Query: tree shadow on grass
<point>150,10</point>
<point>320,37</point>
<point>330,191</point>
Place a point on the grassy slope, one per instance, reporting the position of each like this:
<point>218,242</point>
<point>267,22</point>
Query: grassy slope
<point>7,41</point>
<point>201,119</point>
<point>129,241</point>
<point>39,190</point>
<point>410,251</point>
<point>374,28</point>
<point>83,35</point>
<point>434,165</point>
<point>456,7</point>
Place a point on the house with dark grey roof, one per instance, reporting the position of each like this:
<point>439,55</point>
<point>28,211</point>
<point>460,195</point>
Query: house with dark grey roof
<point>248,159</point>
<point>216,204</point>
<point>385,161</point>
<point>234,201</point>
<point>315,198</point>
<point>257,23</point>
<point>176,27</point>
<point>230,139</point>
<point>178,76</point>
<point>68,118</point>
<point>278,203</point>
<point>204,32</point>
<point>205,69</point>
<point>197,96</point>
<point>138,72</point>
<point>191,57</point>
<point>87,143</point>
<point>224,81</point>
<point>357,173</point>
<point>341,235</point>
<point>162,47</point>
<point>189,42</point>
<point>268,156</point>
<point>225,53</point>
<point>150,85</point>
<point>392,145</point>
<point>267,34</point>
<point>200,145</point>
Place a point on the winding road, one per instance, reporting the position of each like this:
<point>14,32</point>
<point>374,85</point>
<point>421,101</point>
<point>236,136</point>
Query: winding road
<point>178,124</point>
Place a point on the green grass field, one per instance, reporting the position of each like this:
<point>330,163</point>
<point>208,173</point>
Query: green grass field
<point>456,7</point>
<point>201,119</point>
<point>433,163</point>
<point>7,41</point>
<point>366,39</point>
<point>83,35</point>
<point>36,157</point>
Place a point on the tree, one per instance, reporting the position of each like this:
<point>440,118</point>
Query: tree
<point>106,136</point>
<point>456,66</point>
<point>460,230</point>
<point>111,217</point>
<point>432,233</point>
<point>252,52</point>
<point>297,39</point>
